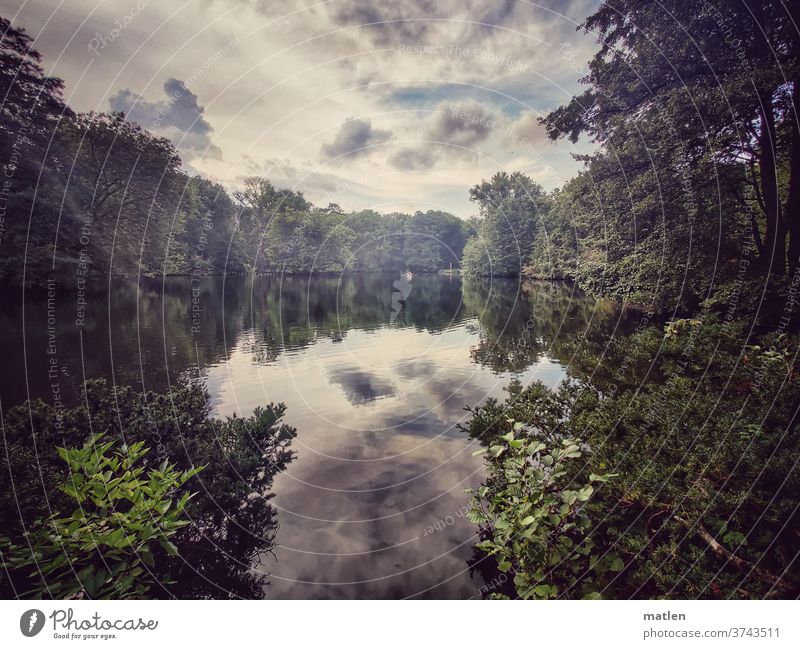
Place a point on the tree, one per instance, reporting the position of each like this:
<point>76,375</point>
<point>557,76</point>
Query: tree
<point>261,196</point>
<point>324,242</point>
<point>29,100</point>
<point>205,234</point>
<point>378,242</point>
<point>723,79</point>
<point>433,241</point>
<point>510,206</point>
<point>122,186</point>
<point>555,248</point>
<point>31,106</point>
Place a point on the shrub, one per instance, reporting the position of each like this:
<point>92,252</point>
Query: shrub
<point>532,511</point>
<point>104,548</point>
<point>230,529</point>
<point>698,424</point>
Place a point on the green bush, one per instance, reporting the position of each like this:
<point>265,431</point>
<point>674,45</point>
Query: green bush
<point>533,514</point>
<point>230,529</point>
<point>104,548</point>
<point>698,423</point>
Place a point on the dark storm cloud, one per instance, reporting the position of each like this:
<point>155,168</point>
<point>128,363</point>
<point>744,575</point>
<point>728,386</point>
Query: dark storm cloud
<point>353,139</point>
<point>178,113</point>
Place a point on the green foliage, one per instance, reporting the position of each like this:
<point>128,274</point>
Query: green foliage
<point>715,421</point>
<point>104,548</point>
<point>230,530</point>
<point>538,406</point>
<point>511,206</point>
<point>475,261</point>
<point>634,228</point>
<point>697,422</point>
<point>555,248</point>
<point>675,196</point>
<point>532,508</point>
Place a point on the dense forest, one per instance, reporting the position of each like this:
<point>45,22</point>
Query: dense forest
<point>696,164</point>
<point>695,185</point>
<point>670,468</point>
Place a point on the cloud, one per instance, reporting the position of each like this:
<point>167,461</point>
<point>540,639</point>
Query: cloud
<point>179,116</point>
<point>390,23</point>
<point>464,124</point>
<point>527,129</point>
<point>386,21</point>
<point>354,139</point>
<point>454,131</point>
<point>408,159</point>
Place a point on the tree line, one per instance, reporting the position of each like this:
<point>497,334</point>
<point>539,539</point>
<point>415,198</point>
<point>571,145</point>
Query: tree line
<point>95,195</point>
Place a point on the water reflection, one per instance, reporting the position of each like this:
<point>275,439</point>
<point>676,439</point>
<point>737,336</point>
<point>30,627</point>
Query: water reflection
<point>376,401</point>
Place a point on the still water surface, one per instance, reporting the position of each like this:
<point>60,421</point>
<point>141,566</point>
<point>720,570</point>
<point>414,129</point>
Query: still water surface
<point>373,504</point>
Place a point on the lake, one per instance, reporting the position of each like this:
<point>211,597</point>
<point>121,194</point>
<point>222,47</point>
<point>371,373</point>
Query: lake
<point>375,373</point>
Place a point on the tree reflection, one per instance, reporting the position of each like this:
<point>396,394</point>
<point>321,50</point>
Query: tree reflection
<point>152,334</point>
<point>522,322</point>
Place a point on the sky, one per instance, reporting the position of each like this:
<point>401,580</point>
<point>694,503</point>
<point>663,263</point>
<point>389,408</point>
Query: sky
<point>370,104</point>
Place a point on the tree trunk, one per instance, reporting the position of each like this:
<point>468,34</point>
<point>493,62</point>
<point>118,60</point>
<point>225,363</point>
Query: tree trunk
<point>792,215</point>
<point>777,585</point>
<point>773,257</point>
